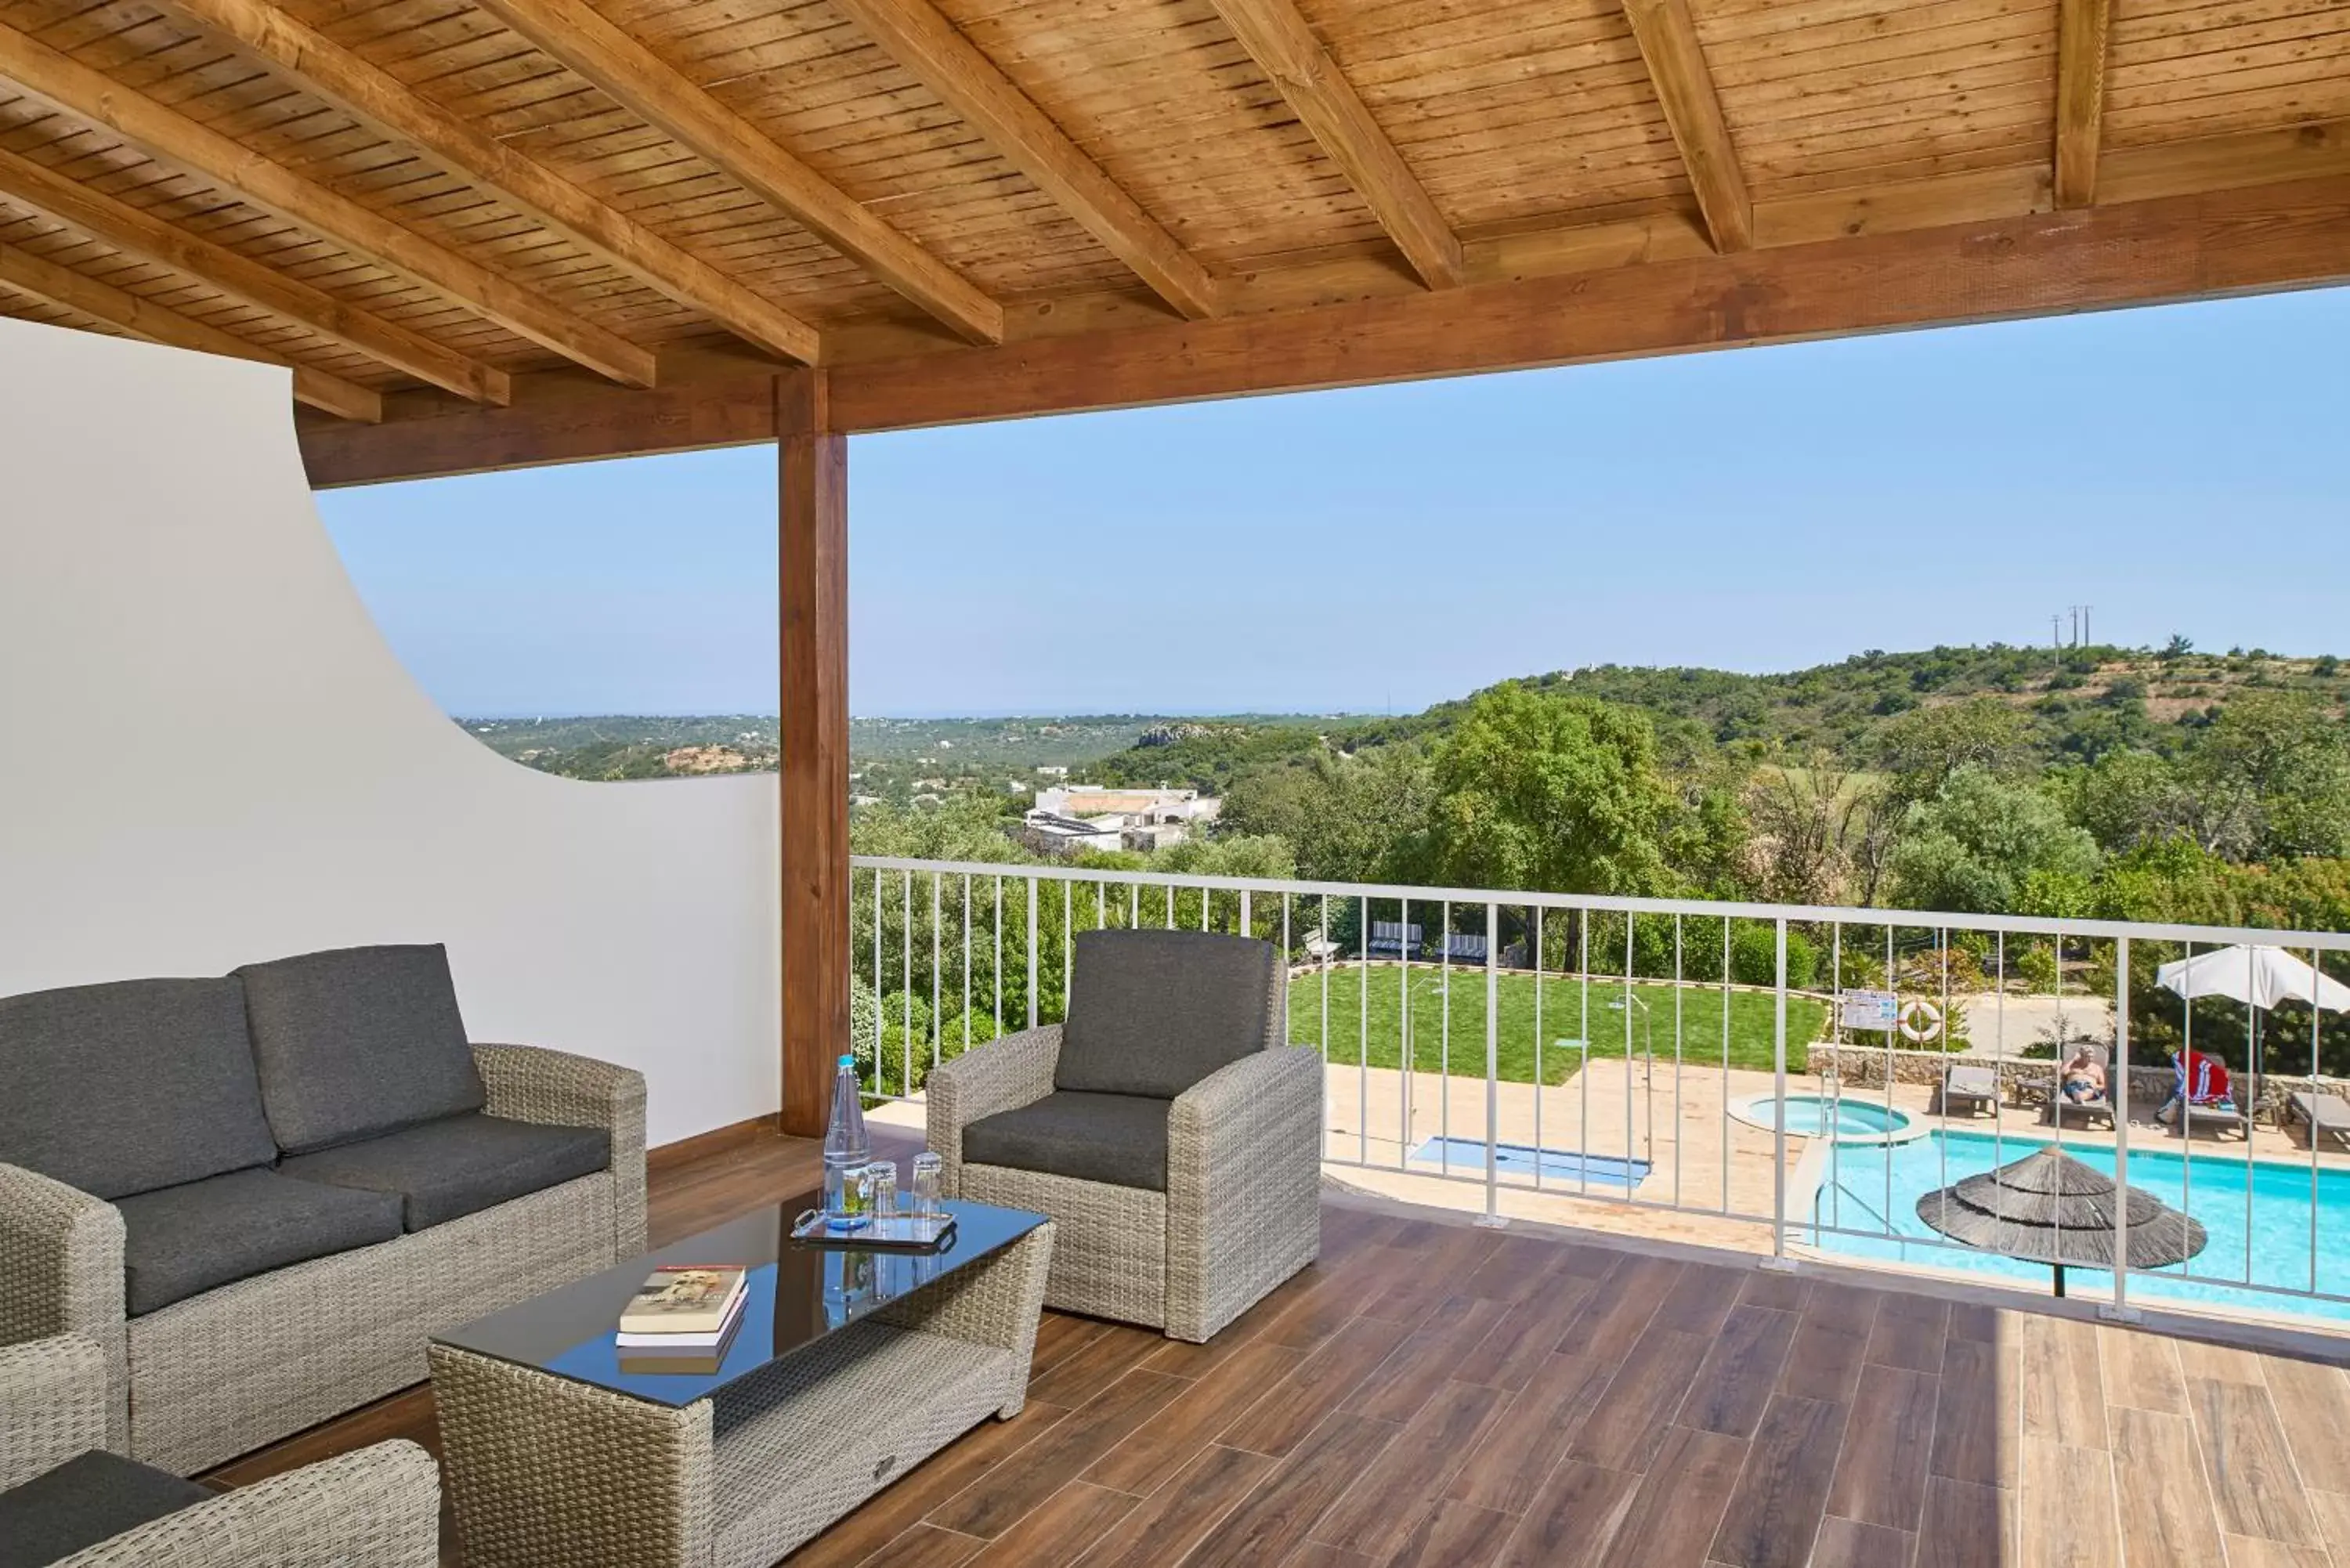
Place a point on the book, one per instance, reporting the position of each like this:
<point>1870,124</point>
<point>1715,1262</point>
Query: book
<point>684,1298</point>
<point>703,1361</point>
<point>666,1340</point>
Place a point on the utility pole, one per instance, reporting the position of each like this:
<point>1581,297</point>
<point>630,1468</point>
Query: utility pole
<point>2056,634</point>
<point>2085,623</point>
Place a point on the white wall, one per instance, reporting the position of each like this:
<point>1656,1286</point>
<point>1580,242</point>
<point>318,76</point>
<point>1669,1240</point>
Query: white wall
<point>208,755</point>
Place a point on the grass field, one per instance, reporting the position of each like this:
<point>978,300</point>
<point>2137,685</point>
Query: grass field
<point>1751,1026</point>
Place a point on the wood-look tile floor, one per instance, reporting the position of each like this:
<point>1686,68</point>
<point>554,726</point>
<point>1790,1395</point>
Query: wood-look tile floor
<point>1434,1394</point>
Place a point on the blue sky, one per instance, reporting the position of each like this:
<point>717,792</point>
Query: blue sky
<point>2181,468</point>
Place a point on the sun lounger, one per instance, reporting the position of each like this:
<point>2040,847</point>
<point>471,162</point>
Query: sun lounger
<point>2218,1115</point>
<point>2327,1117</point>
<point>1393,939</point>
<point>1973,1088</point>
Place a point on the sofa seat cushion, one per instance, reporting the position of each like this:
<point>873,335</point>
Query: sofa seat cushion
<point>443,1170</point>
<point>91,1497</point>
<point>1120,1139</point>
<point>1153,1013</point>
<point>358,1041</point>
<point>184,1240</point>
<point>129,1087</point>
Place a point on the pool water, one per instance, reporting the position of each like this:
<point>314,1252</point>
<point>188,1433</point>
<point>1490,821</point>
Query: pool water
<point>1816,1116</point>
<point>1876,1188</point>
<point>1563,1165</point>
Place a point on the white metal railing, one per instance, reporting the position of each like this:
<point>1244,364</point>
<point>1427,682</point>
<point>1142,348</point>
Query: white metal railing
<point>1643,1052</point>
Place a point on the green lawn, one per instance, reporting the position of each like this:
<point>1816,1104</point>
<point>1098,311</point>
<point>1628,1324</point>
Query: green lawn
<point>1562,1018</point>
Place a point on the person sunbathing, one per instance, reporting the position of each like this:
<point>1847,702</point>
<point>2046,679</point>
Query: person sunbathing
<point>2084,1078</point>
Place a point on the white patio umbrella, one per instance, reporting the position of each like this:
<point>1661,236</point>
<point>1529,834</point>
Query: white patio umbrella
<point>2260,977</point>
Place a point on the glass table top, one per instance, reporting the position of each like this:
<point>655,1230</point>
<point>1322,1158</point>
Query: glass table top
<point>798,1295</point>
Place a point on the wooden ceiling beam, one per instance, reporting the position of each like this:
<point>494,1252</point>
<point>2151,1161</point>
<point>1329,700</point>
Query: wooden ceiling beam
<point>2081,29</point>
<point>576,33</point>
<point>144,319</point>
<point>76,89</point>
<point>2213,244</point>
<point>286,44</point>
<point>148,238</point>
<point>1684,83</point>
<point>928,47</point>
<point>1278,39</point>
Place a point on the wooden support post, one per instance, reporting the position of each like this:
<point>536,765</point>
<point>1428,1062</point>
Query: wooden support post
<point>814,722</point>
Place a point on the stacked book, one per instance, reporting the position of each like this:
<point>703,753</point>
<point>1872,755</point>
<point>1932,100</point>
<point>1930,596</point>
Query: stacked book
<point>684,1318</point>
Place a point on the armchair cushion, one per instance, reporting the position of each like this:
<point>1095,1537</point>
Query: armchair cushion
<point>358,1041</point>
<point>1153,1013</point>
<point>91,1498</point>
<point>460,1164</point>
<point>1119,1139</point>
<point>129,1087</point>
<point>184,1240</point>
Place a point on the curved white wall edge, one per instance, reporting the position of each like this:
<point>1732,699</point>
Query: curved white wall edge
<point>208,755</point>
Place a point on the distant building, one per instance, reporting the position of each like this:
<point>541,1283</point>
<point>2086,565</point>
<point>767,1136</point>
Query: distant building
<point>1051,771</point>
<point>1149,835</point>
<point>1139,807</point>
<point>1048,834</point>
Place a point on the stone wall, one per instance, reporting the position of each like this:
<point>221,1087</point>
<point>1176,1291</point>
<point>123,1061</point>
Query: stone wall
<point>1865,1066</point>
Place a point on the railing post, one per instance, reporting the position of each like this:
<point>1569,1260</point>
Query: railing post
<point>1032,952</point>
<point>1778,1258</point>
<point>1493,1215</point>
<point>2118,1090</point>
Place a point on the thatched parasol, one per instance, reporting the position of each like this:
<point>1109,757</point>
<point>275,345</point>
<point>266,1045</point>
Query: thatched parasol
<point>2049,1207</point>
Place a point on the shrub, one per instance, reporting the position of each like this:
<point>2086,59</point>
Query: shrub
<point>1754,957</point>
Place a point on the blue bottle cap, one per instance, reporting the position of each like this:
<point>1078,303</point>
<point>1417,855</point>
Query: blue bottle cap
<point>848,1061</point>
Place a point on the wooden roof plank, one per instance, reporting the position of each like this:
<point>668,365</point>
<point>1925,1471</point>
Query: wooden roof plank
<point>927,44</point>
<point>142,234</point>
<point>76,89</point>
<point>374,97</point>
<point>1278,36</point>
<point>1676,61</point>
<point>145,319</point>
<point>623,66</point>
<point>2081,29</point>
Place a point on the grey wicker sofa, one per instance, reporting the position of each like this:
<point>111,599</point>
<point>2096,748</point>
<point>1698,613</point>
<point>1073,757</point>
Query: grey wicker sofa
<point>1167,1127</point>
<point>259,1194</point>
<point>64,1501</point>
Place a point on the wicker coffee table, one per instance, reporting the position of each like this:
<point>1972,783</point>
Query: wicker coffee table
<point>849,1368</point>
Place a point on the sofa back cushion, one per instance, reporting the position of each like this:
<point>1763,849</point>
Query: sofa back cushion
<point>128,1087</point>
<point>358,1041</point>
<point>1153,1013</point>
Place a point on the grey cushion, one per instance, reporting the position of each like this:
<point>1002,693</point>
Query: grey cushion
<point>125,1087</point>
<point>1118,1138</point>
<point>1153,1013</point>
<point>358,1041</point>
<point>184,1240</point>
<point>444,1170</point>
<point>91,1497</point>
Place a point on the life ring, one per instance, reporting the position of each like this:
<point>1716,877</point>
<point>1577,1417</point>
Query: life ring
<point>1920,1022</point>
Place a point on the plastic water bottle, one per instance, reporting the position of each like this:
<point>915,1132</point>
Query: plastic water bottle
<point>846,1151</point>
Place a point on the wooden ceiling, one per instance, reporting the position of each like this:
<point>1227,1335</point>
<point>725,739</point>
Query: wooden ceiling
<point>433,210</point>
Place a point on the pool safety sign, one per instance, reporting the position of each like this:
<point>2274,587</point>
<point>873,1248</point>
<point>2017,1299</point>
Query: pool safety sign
<point>1878,1009</point>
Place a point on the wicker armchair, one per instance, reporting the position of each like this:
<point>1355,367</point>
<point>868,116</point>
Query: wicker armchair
<point>377,1508</point>
<point>248,1363</point>
<point>1239,1210</point>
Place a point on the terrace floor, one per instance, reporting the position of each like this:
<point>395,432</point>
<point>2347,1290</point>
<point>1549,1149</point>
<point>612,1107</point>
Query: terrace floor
<point>1432,1393</point>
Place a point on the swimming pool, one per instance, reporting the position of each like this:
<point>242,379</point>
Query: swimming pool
<point>1875,1187</point>
<point>1816,1116</point>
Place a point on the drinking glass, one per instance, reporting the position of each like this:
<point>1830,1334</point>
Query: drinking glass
<point>929,1171</point>
<point>881,1188</point>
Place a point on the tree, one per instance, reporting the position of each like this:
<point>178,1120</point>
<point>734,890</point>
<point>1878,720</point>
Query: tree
<point>1923,748</point>
<point>1551,793</point>
<point>1985,844</point>
<point>1347,818</point>
<point>2271,777</point>
<point>1803,820</point>
<point>2126,799</point>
